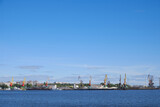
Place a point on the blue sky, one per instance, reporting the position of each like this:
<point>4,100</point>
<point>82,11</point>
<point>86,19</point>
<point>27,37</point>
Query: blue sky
<point>63,39</point>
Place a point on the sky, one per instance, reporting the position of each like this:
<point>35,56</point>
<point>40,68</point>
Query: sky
<point>64,39</point>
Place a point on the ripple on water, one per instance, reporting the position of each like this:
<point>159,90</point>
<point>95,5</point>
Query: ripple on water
<point>79,98</point>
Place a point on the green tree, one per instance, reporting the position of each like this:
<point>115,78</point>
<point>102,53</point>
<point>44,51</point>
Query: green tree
<point>29,85</point>
<point>3,86</point>
<point>17,85</point>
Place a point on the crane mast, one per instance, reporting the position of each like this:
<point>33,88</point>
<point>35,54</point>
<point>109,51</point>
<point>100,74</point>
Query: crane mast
<point>105,80</point>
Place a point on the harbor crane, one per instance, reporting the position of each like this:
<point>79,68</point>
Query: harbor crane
<point>150,81</point>
<point>105,80</point>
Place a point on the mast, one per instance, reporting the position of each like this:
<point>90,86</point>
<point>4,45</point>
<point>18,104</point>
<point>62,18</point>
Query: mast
<point>23,82</point>
<point>47,82</point>
<point>120,80</point>
<point>145,81</point>
<point>125,80</point>
<point>150,80</point>
<point>105,80</point>
<point>11,83</point>
<point>90,81</point>
<point>12,79</point>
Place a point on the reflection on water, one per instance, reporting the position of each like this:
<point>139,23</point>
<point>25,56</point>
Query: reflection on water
<point>80,98</point>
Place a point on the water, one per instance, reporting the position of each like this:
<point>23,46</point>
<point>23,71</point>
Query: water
<point>88,98</point>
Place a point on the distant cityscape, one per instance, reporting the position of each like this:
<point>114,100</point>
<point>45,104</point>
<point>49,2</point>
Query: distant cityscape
<point>106,85</point>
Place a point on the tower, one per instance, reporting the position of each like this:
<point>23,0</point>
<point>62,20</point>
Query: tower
<point>81,85</point>
<point>145,81</point>
<point>79,78</point>
<point>125,80</point>
<point>23,82</point>
<point>150,81</point>
<point>90,81</point>
<point>46,84</point>
<point>11,83</point>
<point>105,80</point>
<point>120,82</point>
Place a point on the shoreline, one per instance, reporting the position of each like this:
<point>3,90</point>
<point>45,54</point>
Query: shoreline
<point>75,89</point>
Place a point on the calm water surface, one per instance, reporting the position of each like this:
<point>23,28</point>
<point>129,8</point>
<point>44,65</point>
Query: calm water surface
<point>134,98</point>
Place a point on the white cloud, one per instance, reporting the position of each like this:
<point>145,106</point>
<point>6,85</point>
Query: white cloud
<point>135,74</point>
<point>32,67</point>
<point>40,78</point>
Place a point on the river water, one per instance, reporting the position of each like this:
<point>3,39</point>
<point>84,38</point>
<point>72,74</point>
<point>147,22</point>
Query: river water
<point>88,98</point>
